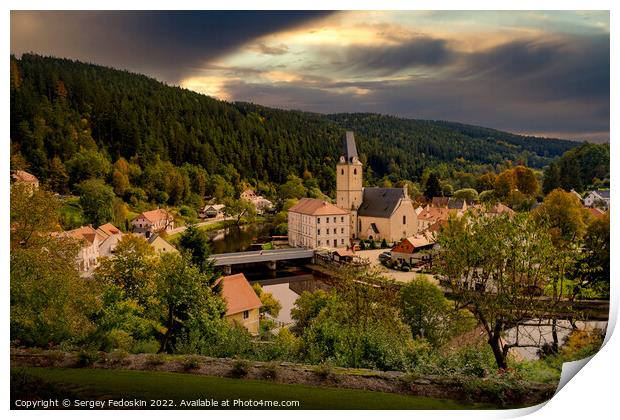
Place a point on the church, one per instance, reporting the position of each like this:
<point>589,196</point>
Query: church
<point>376,213</point>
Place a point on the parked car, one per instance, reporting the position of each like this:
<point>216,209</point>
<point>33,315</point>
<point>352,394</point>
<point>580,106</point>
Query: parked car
<point>384,256</point>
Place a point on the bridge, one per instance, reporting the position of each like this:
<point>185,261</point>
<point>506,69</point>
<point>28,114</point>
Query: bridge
<point>271,257</point>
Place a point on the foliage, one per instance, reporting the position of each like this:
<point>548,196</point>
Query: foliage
<point>50,302</point>
<point>429,314</point>
<point>432,187</point>
<point>271,305</point>
<point>495,267</point>
<point>240,369</point>
<point>468,194</point>
<point>578,168</point>
<point>195,242</point>
<point>96,200</point>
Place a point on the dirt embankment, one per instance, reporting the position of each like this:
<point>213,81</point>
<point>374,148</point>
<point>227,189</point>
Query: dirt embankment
<point>474,389</point>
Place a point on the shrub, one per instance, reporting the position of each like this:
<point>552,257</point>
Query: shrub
<point>384,243</point>
<point>191,362</point>
<point>118,356</point>
<point>145,346</point>
<point>240,369</point>
<point>119,339</point>
<point>362,245</point>
<point>324,371</point>
<point>87,357</point>
<point>270,371</point>
<point>156,359</point>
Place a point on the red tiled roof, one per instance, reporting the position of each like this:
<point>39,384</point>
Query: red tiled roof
<point>24,176</point>
<point>596,212</point>
<point>155,216</point>
<point>86,233</point>
<point>239,295</point>
<point>109,229</point>
<point>315,207</point>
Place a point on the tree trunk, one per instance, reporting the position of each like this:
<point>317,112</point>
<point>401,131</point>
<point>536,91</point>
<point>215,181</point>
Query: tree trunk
<point>164,341</point>
<point>500,359</point>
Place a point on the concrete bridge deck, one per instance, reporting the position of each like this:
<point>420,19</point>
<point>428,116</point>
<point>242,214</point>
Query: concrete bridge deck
<point>249,257</point>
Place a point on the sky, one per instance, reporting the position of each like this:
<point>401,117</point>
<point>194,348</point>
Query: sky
<point>543,73</point>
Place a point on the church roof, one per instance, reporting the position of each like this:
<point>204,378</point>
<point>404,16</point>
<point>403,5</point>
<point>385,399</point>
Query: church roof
<point>349,148</point>
<point>380,202</point>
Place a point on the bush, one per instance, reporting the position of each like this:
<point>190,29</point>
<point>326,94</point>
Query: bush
<point>87,357</point>
<point>384,243</point>
<point>324,371</point>
<point>118,356</point>
<point>240,369</point>
<point>145,346</point>
<point>270,371</point>
<point>191,362</point>
<point>156,359</point>
<point>372,244</point>
<point>119,339</point>
<point>362,245</point>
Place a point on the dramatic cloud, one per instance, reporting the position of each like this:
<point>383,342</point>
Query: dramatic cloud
<point>545,73</point>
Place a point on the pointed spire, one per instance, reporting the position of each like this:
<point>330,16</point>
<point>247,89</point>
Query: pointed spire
<point>349,148</point>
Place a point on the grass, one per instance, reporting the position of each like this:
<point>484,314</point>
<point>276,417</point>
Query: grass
<point>147,385</point>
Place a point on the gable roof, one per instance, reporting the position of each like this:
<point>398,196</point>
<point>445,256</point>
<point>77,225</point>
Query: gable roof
<point>601,193</point>
<point>596,212</point>
<point>108,230</point>
<point>349,148</point>
<point>23,176</point>
<point>155,216</point>
<point>316,207</point>
<point>84,233</point>
<point>239,295</point>
<point>380,202</point>
<point>500,208</point>
<point>434,214</point>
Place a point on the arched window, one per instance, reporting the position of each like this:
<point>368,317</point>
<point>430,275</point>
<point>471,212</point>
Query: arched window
<point>342,172</point>
<point>354,171</point>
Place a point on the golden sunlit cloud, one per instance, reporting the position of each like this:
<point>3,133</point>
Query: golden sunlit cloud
<point>208,85</point>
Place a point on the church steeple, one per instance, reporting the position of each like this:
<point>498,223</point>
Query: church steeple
<point>349,175</point>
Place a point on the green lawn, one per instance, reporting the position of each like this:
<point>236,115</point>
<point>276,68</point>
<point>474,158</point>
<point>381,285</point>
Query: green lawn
<point>128,384</point>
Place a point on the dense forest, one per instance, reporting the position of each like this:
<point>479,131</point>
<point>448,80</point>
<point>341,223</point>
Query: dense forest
<point>71,121</point>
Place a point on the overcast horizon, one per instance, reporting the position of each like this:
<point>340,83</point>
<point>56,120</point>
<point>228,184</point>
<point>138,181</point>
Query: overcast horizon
<point>534,73</point>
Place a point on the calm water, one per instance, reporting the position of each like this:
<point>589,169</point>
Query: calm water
<point>239,238</point>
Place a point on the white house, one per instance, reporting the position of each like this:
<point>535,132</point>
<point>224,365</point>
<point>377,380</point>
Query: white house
<point>153,221</point>
<point>314,223</point>
<point>597,198</point>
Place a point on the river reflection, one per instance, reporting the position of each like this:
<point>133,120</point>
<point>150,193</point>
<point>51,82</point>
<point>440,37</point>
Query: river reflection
<point>239,238</point>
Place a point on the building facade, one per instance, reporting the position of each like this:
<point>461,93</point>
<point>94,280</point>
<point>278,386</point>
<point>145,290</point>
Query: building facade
<point>242,303</point>
<point>153,221</point>
<point>314,223</point>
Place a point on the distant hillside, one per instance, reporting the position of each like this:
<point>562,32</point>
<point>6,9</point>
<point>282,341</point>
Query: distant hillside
<point>60,107</point>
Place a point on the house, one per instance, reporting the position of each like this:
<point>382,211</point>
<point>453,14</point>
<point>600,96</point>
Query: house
<point>160,245</point>
<point>153,221</point>
<point>213,210</point>
<point>375,213</point>
<point>242,303</point>
<point>261,204</point>
<point>500,209</point>
<point>597,198</point>
<point>431,215</point>
<point>415,250</point>
<point>314,223</point>
<point>24,178</point>
<point>452,203</point>
<point>88,253</point>
<point>109,235</point>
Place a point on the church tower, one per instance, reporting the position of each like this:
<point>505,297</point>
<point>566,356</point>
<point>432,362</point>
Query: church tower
<point>349,177</point>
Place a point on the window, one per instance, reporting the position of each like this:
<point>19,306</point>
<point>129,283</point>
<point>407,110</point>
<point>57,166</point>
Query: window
<point>404,220</point>
<point>342,242</point>
<point>341,230</point>
<point>318,231</point>
<point>341,219</point>
<point>334,219</point>
<point>318,220</point>
<point>246,314</point>
<point>342,172</point>
<point>354,171</point>
<point>318,243</point>
<point>327,231</point>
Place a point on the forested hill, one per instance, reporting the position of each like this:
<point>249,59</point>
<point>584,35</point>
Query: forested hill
<point>61,109</point>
